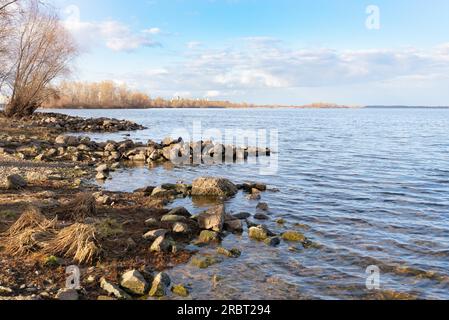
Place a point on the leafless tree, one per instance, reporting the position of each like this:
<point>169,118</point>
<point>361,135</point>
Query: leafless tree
<point>8,8</point>
<point>41,51</point>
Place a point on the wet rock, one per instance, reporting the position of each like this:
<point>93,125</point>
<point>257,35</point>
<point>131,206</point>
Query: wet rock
<point>233,253</point>
<point>263,206</point>
<point>207,236</point>
<point>261,216</point>
<point>160,284</point>
<point>281,221</point>
<point>255,195</point>
<point>212,219</point>
<point>114,290</point>
<point>205,262</point>
<point>180,290</point>
<point>67,295</point>
<point>273,241</point>
<point>160,192</point>
<point>180,211</point>
<point>234,226</point>
<point>154,234</point>
<point>102,168</point>
<point>15,182</point>
<point>242,216</point>
<point>216,187</point>
<point>259,233</point>
<point>134,282</point>
<point>293,236</point>
<point>101,176</point>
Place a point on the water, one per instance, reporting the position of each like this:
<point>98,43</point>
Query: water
<point>370,186</point>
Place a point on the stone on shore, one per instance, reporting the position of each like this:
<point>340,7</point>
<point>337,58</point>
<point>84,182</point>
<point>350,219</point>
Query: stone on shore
<point>15,182</point>
<point>215,187</point>
<point>102,168</point>
<point>154,234</point>
<point>114,290</point>
<point>180,228</point>
<point>134,282</point>
<point>160,284</point>
<point>161,244</point>
<point>212,219</point>
<point>67,295</point>
<point>180,211</point>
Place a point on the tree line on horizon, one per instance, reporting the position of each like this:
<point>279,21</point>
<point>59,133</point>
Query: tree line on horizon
<point>108,94</point>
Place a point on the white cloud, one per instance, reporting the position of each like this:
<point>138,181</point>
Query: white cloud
<point>113,34</point>
<point>212,94</point>
<point>152,31</point>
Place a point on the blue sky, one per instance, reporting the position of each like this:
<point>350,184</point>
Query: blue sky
<point>266,51</point>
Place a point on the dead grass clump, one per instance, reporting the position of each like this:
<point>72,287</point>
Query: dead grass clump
<point>76,242</point>
<point>28,233</point>
<point>83,206</point>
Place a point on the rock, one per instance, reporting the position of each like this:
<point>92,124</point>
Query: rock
<point>273,241</point>
<point>234,226</point>
<point>5,290</point>
<point>154,234</point>
<point>204,262</point>
<point>212,219</point>
<point>134,282</point>
<point>180,228</point>
<point>102,168</point>
<point>242,215</point>
<point>293,236</point>
<point>170,141</point>
<point>259,233</point>
<point>263,206</point>
<point>160,284</point>
<point>161,244</point>
<point>216,187</point>
<point>172,218</point>
<point>233,253</point>
<point>261,216</point>
<point>151,222</point>
<point>280,221</point>
<point>207,236</point>
<point>180,211</point>
<point>160,192</point>
<point>15,182</point>
<point>67,295</point>
<point>180,290</point>
<point>114,290</point>
<point>101,176</point>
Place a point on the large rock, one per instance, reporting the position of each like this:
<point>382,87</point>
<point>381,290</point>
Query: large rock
<point>160,285</point>
<point>15,182</point>
<point>154,234</point>
<point>212,219</point>
<point>234,226</point>
<point>215,187</point>
<point>259,233</point>
<point>207,236</point>
<point>133,282</point>
<point>161,244</point>
<point>180,211</point>
<point>114,290</point>
<point>67,295</point>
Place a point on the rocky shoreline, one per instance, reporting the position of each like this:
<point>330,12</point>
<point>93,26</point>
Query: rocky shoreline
<point>52,216</point>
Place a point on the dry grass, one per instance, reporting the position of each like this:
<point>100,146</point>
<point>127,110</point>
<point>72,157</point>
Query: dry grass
<point>76,242</point>
<point>83,206</point>
<point>28,233</point>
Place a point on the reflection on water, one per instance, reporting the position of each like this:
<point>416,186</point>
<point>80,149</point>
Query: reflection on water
<point>370,186</point>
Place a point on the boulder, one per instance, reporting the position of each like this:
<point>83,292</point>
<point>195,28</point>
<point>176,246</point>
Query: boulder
<point>293,236</point>
<point>233,253</point>
<point>154,234</point>
<point>212,219</point>
<point>234,226</point>
<point>207,236</point>
<point>133,282</point>
<point>259,233</point>
<point>214,187</point>
<point>67,295</point>
<point>205,262</point>
<point>102,168</point>
<point>160,285</point>
<point>181,228</point>
<point>261,216</point>
<point>101,176</point>
<point>180,290</point>
<point>180,211</point>
<point>152,222</point>
<point>242,215</point>
<point>173,218</point>
<point>273,241</point>
<point>161,244</point>
<point>114,290</point>
<point>15,182</point>
<point>263,206</point>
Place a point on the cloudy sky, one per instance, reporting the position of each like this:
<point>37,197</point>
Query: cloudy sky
<point>267,51</point>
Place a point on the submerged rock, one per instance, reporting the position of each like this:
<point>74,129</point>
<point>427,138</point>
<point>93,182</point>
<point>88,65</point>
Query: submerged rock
<point>216,187</point>
<point>233,253</point>
<point>207,236</point>
<point>134,282</point>
<point>212,219</point>
<point>263,206</point>
<point>234,226</point>
<point>259,233</point>
<point>180,290</point>
<point>293,236</point>
<point>273,241</point>
<point>204,262</point>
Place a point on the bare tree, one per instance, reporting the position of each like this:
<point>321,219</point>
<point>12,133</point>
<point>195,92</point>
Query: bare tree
<point>41,52</point>
<point>7,10</point>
